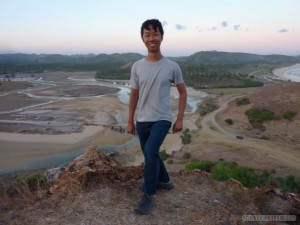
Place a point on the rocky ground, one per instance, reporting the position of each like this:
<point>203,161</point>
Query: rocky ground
<point>95,189</point>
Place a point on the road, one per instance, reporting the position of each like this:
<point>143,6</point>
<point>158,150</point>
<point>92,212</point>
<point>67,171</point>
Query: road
<point>280,154</point>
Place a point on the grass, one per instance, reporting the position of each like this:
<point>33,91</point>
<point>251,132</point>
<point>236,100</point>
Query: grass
<point>223,170</point>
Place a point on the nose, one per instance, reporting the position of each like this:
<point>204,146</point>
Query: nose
<point>152,37</point>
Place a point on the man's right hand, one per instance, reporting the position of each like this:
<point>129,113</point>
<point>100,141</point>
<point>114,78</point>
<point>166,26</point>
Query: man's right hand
<point>131,128</point>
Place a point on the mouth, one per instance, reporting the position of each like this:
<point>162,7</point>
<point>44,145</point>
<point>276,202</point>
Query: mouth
<point>152,45</point>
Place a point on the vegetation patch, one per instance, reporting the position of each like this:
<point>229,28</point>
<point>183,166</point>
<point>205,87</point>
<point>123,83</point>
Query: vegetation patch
<point>289,115</point>
<point>242,101</point>
<point>224,170</point>
<point>186,137</point>
<point>200,165</point>
<point>163,155</point>
<point>33,182</point>
<point>186,155</point>
<point>229,121</point>
<point>258,116</point>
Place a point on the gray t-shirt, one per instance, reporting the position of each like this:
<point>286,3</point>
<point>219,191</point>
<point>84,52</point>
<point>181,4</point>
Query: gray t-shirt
<point>154,80</point>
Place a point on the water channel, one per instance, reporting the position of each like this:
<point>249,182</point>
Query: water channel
<point>63,158</point>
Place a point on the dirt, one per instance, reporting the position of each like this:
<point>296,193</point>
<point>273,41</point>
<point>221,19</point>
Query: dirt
<point>95,189</point>
<point>215,139</point>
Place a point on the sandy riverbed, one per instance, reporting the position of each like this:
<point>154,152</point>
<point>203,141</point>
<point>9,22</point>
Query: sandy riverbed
<point>49,135</point>
<point>79,122</point>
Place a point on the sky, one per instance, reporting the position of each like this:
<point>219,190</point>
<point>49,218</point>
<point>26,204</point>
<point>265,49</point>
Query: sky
<point>113,26</point>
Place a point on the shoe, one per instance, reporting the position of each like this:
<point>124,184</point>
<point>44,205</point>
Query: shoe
<point>166,186</point>
<point>145,205</point>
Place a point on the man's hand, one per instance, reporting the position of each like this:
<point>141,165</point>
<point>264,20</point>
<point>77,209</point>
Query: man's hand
<point>178,125</point>
<point>131,128</point>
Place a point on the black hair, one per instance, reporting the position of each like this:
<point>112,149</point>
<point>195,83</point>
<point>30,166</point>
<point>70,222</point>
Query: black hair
<point>155,23</point>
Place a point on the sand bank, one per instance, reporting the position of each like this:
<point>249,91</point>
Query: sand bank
<point>72,138</point>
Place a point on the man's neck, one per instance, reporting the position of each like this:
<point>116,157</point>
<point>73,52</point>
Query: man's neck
<point>154,56</point>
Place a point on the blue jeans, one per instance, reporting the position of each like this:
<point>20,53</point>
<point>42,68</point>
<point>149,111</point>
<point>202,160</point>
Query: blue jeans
<point>152,135</point>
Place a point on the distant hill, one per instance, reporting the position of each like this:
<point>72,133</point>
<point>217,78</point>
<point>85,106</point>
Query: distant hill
<point>201,70</point>
<point>25,62</point>
<point>215,57</point>
<point>38,63</point>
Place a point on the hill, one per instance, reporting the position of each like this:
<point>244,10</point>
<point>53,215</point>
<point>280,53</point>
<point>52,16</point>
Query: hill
<point>204,69</point>
<point>223,58</point>
<point>17,62</point>
<point>13,63</point>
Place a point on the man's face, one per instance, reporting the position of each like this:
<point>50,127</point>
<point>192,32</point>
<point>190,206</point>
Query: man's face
<point>152,39</point>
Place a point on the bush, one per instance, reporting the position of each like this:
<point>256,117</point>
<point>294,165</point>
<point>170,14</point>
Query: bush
<point>226,170</point>
<point>242,101</point>
<point>229,121</point>
<point>257,116</point>
<point>186,137</point>
<point>201,165</point>
<point>186,155</point>
<point>33,181</point>
<point>289,115</point>
<point>163,155</point>
<point>289,183</point>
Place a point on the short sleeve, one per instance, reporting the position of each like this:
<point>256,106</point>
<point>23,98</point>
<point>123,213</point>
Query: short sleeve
<point>134,78</point>
<point>178,79</point>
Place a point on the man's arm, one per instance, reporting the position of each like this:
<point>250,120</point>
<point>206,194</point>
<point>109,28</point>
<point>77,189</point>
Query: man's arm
<point>178,125</point>
<point>134,97</point>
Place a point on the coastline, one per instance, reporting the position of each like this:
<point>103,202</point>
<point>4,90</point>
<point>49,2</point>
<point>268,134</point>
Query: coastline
<point>290,73</point>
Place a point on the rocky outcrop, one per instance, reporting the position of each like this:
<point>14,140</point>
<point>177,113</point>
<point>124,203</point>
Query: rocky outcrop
<point>90,169</point>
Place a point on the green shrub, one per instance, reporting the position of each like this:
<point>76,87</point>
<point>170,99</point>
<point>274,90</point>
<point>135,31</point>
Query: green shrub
<point>186,155</point>
<point>242,101</point>
<point>289,115</point>
<point>257,117</point>
<point>186,137</point>
<point>222,170</point>
<point>289,183</point>
<point>33,181</point>
<point>229,121</point>
<point>226,170</point>
<point>201,165</point>
<point>163,155</point>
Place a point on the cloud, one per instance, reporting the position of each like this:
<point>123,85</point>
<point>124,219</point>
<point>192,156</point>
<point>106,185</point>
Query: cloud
<point>218,27</point>
<point>283,30</point>
<point>180,27</point>
<point>224,24</point>
<point>236,27</point>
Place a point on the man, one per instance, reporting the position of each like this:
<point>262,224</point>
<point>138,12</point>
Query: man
<point>151,80</point>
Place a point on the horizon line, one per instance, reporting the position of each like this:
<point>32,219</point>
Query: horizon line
<point>72,54</point>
